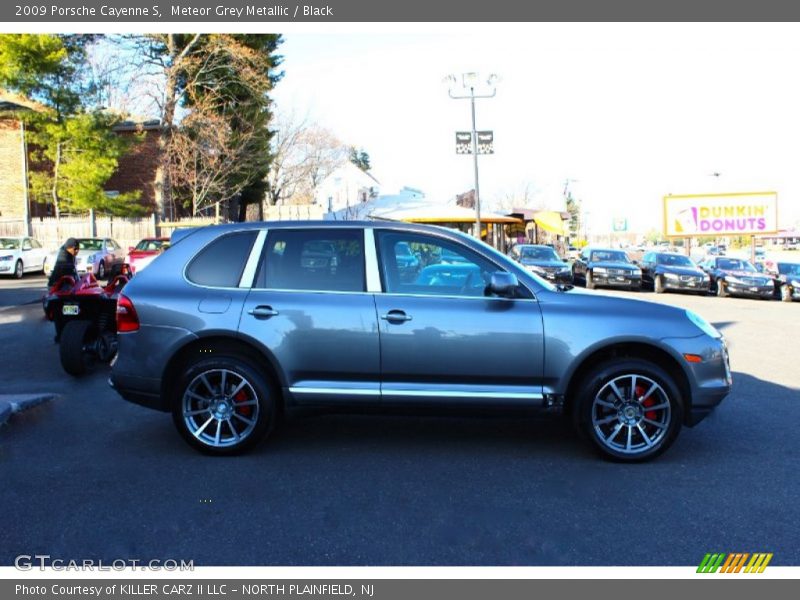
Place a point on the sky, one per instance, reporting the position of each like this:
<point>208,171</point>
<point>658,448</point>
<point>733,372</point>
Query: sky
<point>627,112</point>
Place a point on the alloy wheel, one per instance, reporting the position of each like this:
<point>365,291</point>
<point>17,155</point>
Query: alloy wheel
<point>220,408</point>
<point>631,414</point>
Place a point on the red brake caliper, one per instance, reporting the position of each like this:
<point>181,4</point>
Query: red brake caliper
<point>241,396</point>
<point>648,414</point>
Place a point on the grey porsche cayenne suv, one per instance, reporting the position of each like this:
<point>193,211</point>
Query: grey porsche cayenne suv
<point>237,324</point>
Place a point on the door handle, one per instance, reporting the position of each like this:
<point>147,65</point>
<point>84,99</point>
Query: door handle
<point>263,311</point>
<point>396,316</point>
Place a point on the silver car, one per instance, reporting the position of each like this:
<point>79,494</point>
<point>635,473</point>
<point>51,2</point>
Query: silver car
<point>238,324</point>
<point>97,256</point>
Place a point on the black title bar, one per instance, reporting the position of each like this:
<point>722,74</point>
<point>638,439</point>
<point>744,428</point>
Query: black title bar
<point>338,11</point>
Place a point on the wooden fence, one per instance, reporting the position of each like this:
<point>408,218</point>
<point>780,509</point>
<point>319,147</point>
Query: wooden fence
<point>52,232</point>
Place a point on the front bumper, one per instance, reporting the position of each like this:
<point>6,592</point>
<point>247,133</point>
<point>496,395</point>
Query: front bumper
<point>690,285</point>
<point>752,291</point>
<point>604,279</point>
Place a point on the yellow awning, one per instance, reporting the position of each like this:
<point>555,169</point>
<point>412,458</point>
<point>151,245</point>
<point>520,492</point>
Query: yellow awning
<point>550,220</point>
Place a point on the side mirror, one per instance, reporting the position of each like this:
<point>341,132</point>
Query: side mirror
<point>503,284</point>
<point>636,262</point>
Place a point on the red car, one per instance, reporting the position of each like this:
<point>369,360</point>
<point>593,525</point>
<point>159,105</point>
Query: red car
<point>145,251</point>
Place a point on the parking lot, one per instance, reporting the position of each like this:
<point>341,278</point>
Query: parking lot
<point>89,475</point>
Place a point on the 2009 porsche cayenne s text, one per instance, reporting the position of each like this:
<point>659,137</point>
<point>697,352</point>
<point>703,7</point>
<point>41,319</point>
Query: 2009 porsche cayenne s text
<point>239,323</point>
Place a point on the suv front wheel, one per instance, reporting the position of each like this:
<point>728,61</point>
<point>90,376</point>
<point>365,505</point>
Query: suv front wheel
<point>630,409</point>
<point>223,405</point>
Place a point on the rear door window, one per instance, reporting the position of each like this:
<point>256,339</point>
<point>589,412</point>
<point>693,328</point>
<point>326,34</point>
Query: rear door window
<point>324,259</point>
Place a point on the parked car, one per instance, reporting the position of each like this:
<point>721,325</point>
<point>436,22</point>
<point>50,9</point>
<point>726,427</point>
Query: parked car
<point>543,261</point>
<point>738,277</point>
<point>230,329</point>
<point>787,280</point>
<point>663,271</point>
<point>606,267</point>
<point>145,252</point>
<point>573,252</point>
<point>20,255</point>
<point>97,256</point>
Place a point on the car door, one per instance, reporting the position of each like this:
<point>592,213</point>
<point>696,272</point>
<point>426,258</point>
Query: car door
<point>38,254</point>
<point>310,308</point>
<point>442,340</point>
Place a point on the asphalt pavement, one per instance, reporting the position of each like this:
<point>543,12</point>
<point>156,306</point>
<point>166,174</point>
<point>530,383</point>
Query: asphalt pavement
<point>89,475</point>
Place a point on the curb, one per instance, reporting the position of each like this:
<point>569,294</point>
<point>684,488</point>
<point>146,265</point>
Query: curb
<point>14,403</point>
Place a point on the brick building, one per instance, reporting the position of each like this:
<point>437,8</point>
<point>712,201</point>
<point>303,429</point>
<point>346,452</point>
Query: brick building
<point>13,156</point>
<point>137,170</point>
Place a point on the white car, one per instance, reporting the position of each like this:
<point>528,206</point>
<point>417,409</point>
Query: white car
<point>20,255</point>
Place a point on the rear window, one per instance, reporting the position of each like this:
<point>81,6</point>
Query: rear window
<point>314,260</point>
<point>221,263</point>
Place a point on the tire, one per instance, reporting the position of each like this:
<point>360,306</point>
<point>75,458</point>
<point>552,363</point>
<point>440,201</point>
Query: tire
<point>101,270</point>
<point>241,420</point>
<point>73,338</point>
<point>640,423</point>
<point>589,281</point>
<point>45,268</point>
<point>786,293</point>
<point>19,269</point>
<point>658,284</point>
<point>722,291</point>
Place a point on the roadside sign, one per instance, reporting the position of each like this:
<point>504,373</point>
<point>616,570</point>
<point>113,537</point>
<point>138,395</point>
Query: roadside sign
<point>464,142</point>
<point>740,213</point>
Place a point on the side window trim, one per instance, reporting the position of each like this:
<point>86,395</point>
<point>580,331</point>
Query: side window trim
<point>372,267</point>
<point>251,266</point>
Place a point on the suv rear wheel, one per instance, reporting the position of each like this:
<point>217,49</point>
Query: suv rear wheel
<point>223,405</point>
<point>630,409</point>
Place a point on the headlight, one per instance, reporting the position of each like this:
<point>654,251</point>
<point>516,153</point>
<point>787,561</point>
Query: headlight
<point>703,325</point>
<point>565,271</point>
<point>796,283</point>
<point>732,279</point>
<point>6,258</point>
<point>535,269</point>
<point>90,259</point>
<point>637,272</point>
<point>600,270</point>
<point>670,276</point>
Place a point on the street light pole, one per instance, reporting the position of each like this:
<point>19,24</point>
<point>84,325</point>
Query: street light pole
<point>468,81</point>
<point>475,164</point>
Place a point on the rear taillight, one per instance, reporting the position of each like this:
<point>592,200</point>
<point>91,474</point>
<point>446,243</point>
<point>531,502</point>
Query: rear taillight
<point>127,319</point>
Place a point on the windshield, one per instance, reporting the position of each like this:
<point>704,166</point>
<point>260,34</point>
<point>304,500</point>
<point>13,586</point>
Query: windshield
<point>675,260</point>
<point>151,245</point>
<point>90,245</point>
<point>735,264</point>
<point>9,244</point>
<point>608,256</point>
<point>789,268</point>
<point>536,253</point>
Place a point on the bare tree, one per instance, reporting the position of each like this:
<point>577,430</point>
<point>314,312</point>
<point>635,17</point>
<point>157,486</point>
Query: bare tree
<point>212,150</point>
<point>303,154</point>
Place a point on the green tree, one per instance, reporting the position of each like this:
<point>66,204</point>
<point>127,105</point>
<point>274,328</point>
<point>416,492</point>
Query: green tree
<point>84,153</point>
<point>45,67</point>
<point>77,152</point>
<point>360,158</point>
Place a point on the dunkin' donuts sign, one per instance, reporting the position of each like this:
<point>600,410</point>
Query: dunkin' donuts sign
<point>749,213</point>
